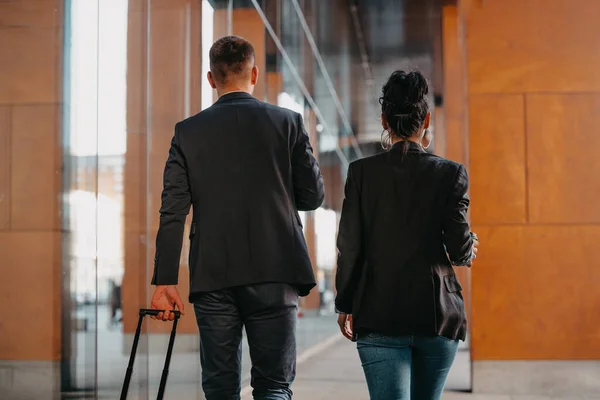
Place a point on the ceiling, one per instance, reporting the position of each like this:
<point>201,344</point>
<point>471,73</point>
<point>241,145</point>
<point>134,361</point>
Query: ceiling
<point>399,34</point>
<point>394,34</point>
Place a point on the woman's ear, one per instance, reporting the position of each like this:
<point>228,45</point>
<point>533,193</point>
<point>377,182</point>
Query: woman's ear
<point>384,123</point>
<point>427,121</point>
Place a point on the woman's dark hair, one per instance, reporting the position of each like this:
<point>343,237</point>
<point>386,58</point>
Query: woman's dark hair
<point>404,102</point>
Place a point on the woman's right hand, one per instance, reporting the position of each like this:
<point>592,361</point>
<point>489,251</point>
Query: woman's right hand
<point>345,323</point>
<point>475,244</point>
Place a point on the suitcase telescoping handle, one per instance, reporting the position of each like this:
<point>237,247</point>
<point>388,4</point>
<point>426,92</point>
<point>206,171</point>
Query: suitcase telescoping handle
<point>136,338</point>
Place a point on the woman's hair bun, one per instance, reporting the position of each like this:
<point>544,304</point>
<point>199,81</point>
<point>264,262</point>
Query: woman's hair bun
<point>404,101</point>
<point>406,88</point>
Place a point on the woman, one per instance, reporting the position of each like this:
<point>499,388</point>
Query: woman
<point>403,228</point>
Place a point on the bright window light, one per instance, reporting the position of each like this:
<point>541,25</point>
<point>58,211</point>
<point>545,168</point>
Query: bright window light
<point>98,77</point>
<point>286,101</point>
<point>326,231</point>
<point>207,41</point>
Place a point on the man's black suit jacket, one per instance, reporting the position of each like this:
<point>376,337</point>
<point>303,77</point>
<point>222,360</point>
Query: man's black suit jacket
<point>247,167</point>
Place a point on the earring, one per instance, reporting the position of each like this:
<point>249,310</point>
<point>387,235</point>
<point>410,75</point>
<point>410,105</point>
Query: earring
<point>425,133</point>
<point>385,140</point>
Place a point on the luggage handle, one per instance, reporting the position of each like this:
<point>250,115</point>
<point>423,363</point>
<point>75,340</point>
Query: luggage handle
<point>147,311</point>
<point>163,380</point>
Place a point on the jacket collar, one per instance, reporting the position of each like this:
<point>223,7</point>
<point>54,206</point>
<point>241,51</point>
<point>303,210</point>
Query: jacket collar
<point>234,96</point>
<point>412,146</point>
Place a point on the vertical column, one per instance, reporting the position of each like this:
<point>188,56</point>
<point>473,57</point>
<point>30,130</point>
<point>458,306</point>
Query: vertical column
<point>134,290</point>
<point>31,77</point>
<point>438,121</point>
<point>455,108</point>
<point>274,86</point>
<point>164,87</point>
<point>312,301</point>
<point>533,91</point>
<point>455,90</point>
<point>246,23</point>
<point>308,75</point>
<point>274,79</point>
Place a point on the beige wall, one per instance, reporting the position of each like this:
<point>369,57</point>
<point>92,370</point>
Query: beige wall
<point>30,178</point>
<point>157,100</point>
<point>246,23</point>
<point>534,96</point>
<point>455,111</point>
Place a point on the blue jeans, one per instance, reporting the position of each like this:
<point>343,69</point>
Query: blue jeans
<point>406,367</point>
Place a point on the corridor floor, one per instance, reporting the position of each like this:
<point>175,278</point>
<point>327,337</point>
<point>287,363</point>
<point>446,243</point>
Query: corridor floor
<point>335,373</point>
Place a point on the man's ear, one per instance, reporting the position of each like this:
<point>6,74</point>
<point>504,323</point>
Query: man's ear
<point>211,80</point>
<point>254,75</point>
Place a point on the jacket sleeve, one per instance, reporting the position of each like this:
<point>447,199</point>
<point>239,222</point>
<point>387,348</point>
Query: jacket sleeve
<point>350,247</point>
<point>309,190</point>
<point>176,202</point>
<point>457,233</point>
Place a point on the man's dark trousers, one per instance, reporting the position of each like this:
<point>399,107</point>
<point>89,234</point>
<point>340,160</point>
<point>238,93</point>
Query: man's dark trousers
<point>268,312</point>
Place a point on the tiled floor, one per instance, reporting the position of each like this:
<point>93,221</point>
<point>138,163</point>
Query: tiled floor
<point>184,375</point>
<point>336,374</point>
<point>328,368</point>
<point>184,382</point>
<point>332,372</point>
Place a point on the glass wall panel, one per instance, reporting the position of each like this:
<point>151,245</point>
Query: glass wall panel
<point>113,18</point>
<point>164,87</point>
<point>81,200</point>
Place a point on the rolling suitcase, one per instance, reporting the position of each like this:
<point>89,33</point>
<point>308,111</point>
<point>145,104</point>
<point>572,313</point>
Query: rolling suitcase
<point>165,373</point>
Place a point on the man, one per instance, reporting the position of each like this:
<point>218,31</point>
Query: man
<point>246,167</point>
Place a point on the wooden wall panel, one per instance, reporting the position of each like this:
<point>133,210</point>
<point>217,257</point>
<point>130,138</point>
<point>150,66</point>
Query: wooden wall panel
<point>167,72</point>
<point>173,95</point>
<point>563,162</point>
<point>274,86</point>
<point>135,279</point>
<point>246,23</point>
<point>534,283</point>
<point>134,285</point>
<point>533,46</point>
<point>30,178</point>
<point>168,101</point>
<point>439,136</point>
<point>497,159</point>
<point>35,168</point>
<point>136,69</point>
<point>334,186</point>
<point>32,261</point>
<point>455,130</point>
<point>497,286</point>
<point>528,303</point>
<point>4,168</point>
<point>30,64</point>
<point>31,14</point>
<point>455,87</point>
<point>135,187</point>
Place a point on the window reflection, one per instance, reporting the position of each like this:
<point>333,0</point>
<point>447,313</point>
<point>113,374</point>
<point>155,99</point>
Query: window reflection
<point>98,150</point>
<point>96,82</point>
<point>207,40</point>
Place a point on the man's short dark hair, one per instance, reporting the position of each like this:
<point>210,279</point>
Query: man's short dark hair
<point>230,57</point>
